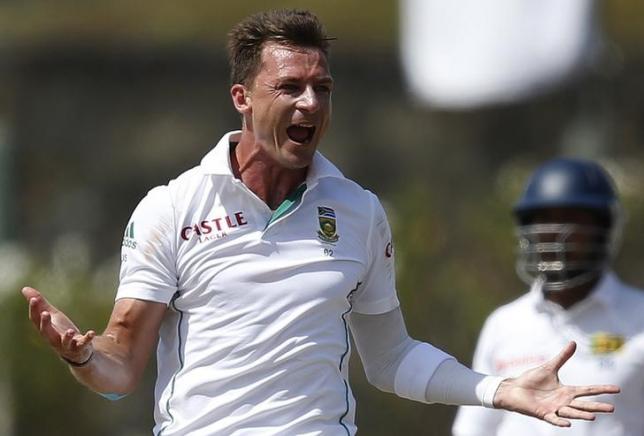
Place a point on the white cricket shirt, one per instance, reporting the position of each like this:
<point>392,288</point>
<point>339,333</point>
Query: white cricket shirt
<point>608,327</point>
<point>256,340</point>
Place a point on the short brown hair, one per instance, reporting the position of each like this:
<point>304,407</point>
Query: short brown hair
<point>246,40</point>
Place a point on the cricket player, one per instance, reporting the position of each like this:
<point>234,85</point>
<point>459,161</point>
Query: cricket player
<point>569,222</point>
<point>254,267</point>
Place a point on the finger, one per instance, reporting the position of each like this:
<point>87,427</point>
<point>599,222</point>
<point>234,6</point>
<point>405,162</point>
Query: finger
<point>34,312</point>
<point>572,413</point>
<point>37,304</point>
<point>553,419</point>
<point>80,346</point>
<point>45,321</point>
<point>29,293</point>
<point>81,341</point>
<point>557,362</point>
<point>592,406</point>
<point>66,343</point>
<point>584,391</point>
<point>48,331</point>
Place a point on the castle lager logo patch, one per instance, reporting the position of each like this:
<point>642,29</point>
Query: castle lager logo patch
<point>213,229</point>
<point>328,230</point>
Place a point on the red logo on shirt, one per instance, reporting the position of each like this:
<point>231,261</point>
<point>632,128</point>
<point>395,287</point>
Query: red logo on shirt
<point>501,365</point>
<point>216,227</point>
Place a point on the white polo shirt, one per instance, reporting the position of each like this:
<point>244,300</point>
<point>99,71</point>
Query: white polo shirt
<point>256,340</point>
<point>608,327</point>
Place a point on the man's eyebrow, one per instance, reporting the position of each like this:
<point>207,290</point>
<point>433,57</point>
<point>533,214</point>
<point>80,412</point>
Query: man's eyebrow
<point>325,79</point>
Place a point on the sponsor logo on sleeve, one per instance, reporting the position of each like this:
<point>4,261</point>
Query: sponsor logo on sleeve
<point>328,229</point>
<point>128,237</point>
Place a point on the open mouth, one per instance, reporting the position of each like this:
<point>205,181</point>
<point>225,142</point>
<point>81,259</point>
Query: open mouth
<point>300,133</point>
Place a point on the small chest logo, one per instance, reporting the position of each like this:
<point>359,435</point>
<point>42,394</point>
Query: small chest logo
<point>328,230</point>
<point>606,343</point>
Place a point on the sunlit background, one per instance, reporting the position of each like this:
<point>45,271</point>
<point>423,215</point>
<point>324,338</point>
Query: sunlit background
<point>102,100</point>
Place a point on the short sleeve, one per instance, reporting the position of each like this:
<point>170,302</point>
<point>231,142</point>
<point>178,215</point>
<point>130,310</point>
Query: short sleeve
<point>148,270</point>
<point>377,293</point>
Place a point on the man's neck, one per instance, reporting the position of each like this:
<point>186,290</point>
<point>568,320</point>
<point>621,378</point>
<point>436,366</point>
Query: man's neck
<point>270,182</point>
<point>569,297</point>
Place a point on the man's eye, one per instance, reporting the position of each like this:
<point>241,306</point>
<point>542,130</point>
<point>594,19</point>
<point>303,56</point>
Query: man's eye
<point>289,87</point>
<point>325,89</point>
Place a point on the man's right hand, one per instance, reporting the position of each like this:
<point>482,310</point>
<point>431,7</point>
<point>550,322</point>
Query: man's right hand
<point>57,329</point>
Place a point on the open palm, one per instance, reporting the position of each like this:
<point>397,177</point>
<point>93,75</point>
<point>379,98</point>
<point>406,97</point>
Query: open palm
<point>539,393</point>
<point>57,329</point>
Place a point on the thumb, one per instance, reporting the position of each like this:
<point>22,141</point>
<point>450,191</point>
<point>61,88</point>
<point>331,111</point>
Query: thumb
<point>37,300</point>
<point>30,293</point>
<point>558,361</point>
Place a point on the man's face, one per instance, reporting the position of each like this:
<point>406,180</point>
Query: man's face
<point>288,105</point>
<point>582,219</point>
<point>563,243</point>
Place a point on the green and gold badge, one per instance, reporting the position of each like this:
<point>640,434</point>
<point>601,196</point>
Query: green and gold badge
<point>328,230</point>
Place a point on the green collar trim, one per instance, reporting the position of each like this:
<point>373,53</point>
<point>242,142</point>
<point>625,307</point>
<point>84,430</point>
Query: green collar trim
<point>288,204</point>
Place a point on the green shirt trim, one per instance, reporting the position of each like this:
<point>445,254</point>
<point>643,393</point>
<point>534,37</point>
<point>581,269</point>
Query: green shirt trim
<point>288,204</point>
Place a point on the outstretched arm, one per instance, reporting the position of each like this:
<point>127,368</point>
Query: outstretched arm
<point>396,363</point>
<point>111,363</point>
<point>539,393</point>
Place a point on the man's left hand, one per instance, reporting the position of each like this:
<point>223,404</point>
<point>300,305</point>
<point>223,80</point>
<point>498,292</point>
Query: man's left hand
<point>539,393</point>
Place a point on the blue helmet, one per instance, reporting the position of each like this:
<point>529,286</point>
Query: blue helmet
<point>568,183</point>
<point>555,248</point>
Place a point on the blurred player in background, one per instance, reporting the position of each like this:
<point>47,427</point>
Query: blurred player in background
<point>569,223</point>
<point>252,267</point>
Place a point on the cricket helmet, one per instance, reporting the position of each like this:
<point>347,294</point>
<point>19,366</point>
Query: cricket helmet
<point>564,254</point>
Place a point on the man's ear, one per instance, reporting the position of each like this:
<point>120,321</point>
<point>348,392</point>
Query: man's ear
<point>241,98</point>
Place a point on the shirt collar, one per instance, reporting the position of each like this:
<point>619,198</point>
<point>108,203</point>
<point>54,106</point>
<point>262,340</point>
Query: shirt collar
<point>217,161</point>
<point>606,290</point>
<point>604,293</point>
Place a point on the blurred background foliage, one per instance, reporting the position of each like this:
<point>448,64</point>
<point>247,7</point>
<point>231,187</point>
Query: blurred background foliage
<point>100,101</point>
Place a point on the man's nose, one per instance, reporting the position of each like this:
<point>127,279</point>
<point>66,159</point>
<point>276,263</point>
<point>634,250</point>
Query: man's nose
<point>309,101</point>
